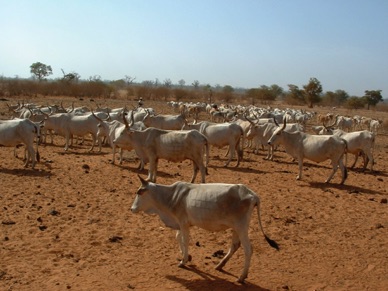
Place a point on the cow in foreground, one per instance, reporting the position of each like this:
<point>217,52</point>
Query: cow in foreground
<point>213,207</point>
<point>317,148</point>
<point>153,144</point>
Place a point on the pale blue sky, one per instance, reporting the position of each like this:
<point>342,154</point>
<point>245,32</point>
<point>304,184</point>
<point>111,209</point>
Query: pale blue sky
<point>245,43</point>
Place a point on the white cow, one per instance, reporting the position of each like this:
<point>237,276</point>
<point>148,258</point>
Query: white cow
<point>153,144</point>
<point>16,131</point>
<point>169,122</point>
<point>225,134</point>
<point>113,129</point>
<point>316,148</point>
<point>358,142</point>
<point>213,207</point>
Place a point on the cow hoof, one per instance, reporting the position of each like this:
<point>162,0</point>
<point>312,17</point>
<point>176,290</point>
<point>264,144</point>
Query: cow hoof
<point>181,265</point>
<point>241,281</point>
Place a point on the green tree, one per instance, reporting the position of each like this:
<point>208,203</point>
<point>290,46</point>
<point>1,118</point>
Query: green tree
<point>40,70</point>
<point>208,93</point>
<point>266,93</point>
<point>195,84</point>
<point>252,94</point>
<point>312,92</point>
<point>70,77</point>
<point>277,90</point>
<point>167,83</point>
<point>227,93</point>
<point>336,98</point>
<point>355,102</point>
<point>295,96</point>
<point>181,83</point>
<point>372,97</point>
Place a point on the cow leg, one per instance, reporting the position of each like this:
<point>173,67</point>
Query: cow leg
<point>369,157</point>
<point>195,172</point>
<point>141,165</point>
<point>246,244</point>
<point>231,155</point>
<point>300,164</point>
<point>67,137</point>
<point>335,166</point>
<point>233,248</point>
<point>152,170</point>
<point>203,171</point>
<point>93,142</point>
<point>355,159</point>
<point>121,156</point>
<point>181,245</point>
<point>227,152</point>
<point>183,240</point>
<point>99,144</point>
<point>271,151</point>
<point>344,171</point>
<point>113,154</point>
<point>30,155</point>
<point>239,153</point>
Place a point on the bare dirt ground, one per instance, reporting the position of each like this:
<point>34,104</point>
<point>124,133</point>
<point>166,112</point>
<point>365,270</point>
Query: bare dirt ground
<point>67,224</point>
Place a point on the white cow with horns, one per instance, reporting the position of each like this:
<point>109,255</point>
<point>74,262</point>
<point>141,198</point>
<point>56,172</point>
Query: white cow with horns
<point>153,144</point>
<point>213,207</point>
<point>317,148</point>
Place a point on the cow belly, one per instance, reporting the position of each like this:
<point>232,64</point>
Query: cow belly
<point>174,152</point>
<point>207,215</point>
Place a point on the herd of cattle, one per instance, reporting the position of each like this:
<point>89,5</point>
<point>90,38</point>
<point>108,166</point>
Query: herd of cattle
<point>172,137</point>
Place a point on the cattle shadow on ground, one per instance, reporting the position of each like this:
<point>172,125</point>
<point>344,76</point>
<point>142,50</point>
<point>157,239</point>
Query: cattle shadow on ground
<point>72,151</point>
<point>211,282</point>
<point>350,189</point>
<point>25,172</point>
<point>369,172</point>
<point>236,169</point>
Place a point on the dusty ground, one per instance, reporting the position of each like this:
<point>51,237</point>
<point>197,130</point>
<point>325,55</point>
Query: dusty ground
<point>68,225</point>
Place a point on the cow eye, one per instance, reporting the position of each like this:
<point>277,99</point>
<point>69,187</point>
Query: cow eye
<point>140,191</point>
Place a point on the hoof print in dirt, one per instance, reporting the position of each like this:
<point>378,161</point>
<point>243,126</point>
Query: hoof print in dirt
<point>115,238</point>
<point>219,254</point>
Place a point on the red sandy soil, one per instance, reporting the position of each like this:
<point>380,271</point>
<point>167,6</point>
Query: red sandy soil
<point>68,225</point>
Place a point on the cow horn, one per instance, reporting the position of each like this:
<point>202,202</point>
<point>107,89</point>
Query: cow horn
<point>250,121</point>
<point>331,125</point>
<point>284,123</point>
<point>147,113</point>
<point>143,182</point>
<point>45,114</point>
<point>95,116</point>
<point>72,107</point>
<point>125,121</point>
<point>132,119</point>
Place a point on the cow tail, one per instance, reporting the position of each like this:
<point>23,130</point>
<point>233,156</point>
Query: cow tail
<point>207,154</point>
<point>346,159</point>
<point>241,145</point>
<point>37,151</point>
<point>271,242</point>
